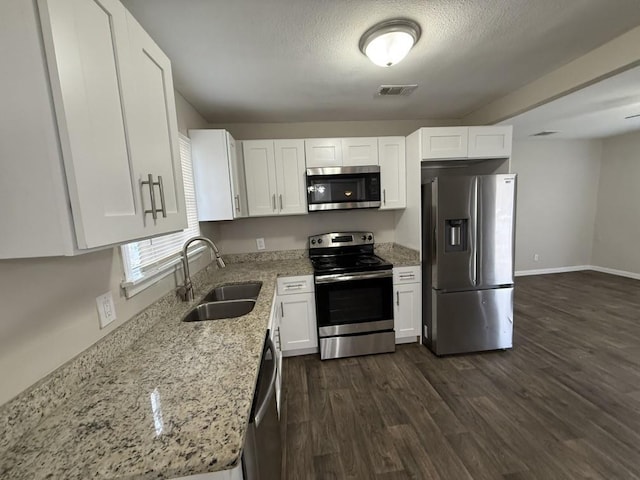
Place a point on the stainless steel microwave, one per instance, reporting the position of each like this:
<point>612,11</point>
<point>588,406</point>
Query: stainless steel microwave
<point>339,188</point>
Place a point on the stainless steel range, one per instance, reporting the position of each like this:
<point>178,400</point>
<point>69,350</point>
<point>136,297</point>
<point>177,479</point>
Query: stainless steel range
<point>354,295</point>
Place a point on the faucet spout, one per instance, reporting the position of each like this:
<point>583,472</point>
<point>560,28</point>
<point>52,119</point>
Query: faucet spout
<point>186,290</point>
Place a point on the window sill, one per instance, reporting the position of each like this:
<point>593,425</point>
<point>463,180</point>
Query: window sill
<point>134,287</point>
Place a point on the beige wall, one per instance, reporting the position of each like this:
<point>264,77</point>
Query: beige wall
<point>613,57</point>
<point>291,232</point>
<point>617,229</point>
<point>374,128</point>
<point>557,198</point>
<point>48,313</point>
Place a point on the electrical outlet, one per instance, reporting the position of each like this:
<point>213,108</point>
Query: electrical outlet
<point>260,243</point>
<point>536,257</point>
<point>106,309</point>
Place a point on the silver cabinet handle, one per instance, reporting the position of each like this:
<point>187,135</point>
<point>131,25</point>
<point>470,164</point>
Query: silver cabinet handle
<point>281,310</point>
<point>152,194</point>
<point>273,198</point>
<point>407,275</point>
<point>398,298</point>
<point>384,196</point>
<point>280,201</point>
<point>294,285</point>
<point>163,207</point>
<point>237,200</point>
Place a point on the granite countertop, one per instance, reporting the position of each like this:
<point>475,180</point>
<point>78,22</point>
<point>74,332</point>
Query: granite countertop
<point>398,255</point>
<point>157,397</point>
<point>175,403</point>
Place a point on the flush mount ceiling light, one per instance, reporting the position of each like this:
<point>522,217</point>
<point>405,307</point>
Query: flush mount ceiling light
<point>389,42</point>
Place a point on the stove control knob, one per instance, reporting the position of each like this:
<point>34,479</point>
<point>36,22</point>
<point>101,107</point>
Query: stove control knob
<point>313,242</point>
<point>364,237</point>
<point>319,240</point>
<point>370,237</point>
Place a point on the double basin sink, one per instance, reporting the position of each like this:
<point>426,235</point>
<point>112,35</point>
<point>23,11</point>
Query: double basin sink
<point>226,301</point>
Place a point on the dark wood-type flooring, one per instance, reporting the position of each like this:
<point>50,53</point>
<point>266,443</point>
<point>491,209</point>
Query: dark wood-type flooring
<point>564,403</point>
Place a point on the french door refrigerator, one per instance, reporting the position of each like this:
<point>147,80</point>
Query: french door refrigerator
<point>468,225</point>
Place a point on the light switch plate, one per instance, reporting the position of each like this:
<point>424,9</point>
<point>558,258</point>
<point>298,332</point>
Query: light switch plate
<point>106,309</point>
<point>260,243</point>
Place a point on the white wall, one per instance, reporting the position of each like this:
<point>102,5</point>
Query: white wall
<point>617,227</point>
<point>557,198</point>
<point>48,313</point>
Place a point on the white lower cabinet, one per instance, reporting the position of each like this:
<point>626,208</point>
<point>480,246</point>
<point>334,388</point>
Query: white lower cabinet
<point>407,297</point>
<point>298,331</point>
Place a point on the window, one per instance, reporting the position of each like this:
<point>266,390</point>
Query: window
<point>147,261</point>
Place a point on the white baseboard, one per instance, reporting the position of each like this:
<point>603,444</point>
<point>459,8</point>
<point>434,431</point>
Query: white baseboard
<point>545,271</point>
<point>578,268</point>
<point>612,271</point>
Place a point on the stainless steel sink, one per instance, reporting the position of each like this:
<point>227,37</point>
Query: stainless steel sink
<point>240,291</point>
<point>219,310</point>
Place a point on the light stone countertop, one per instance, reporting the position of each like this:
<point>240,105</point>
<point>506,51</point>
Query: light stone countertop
<point>398,255</point>
<point>175,403</point>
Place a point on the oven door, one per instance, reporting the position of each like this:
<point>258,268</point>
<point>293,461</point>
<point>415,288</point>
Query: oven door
<point>355,303</point>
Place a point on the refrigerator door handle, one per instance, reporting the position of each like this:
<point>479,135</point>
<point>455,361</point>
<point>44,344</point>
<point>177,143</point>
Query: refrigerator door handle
<point>473,231</point>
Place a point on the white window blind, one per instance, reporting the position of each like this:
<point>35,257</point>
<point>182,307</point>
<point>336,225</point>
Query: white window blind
<point>147,261</point>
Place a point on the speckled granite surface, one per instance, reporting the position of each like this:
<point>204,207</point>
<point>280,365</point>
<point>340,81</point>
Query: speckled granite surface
<point>397,254</point>
<point>171,403</point>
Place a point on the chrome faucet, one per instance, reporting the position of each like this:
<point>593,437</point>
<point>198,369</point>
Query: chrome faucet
<point>186,290</point>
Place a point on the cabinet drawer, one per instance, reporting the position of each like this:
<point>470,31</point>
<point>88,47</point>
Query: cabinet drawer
<point>406,274</point>
<point>300,284</point>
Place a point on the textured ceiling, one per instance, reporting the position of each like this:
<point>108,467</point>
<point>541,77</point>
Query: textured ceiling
<point>597,111</point>
<point>298,60</point>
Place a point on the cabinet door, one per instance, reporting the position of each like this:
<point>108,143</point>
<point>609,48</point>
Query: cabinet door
<point>407,311</point>
<point>444,142</point>
<point>88,55</point>
<point>238,184</point>
<point>323,152</point>
<point>298,321</point>
<point>393,176</point>
<point>154,133</point>
<point>260,172</point>
<point>290,177</point>
<point>211,174</point>
<point>490,142</point>
<point>360,151</point>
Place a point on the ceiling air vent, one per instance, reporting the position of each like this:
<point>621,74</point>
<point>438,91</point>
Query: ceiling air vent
<point>395,90</point>
<point>544,133</point>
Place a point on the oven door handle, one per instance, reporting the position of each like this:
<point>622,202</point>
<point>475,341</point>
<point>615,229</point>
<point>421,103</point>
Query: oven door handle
<point>341,277</point>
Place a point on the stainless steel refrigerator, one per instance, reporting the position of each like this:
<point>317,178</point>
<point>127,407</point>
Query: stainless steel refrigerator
<point>468,253</point>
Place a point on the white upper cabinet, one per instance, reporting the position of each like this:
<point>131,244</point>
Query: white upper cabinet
<point>445,142</point>
<point>275,173</point>
<point>490,142</point>
<point>92,82</point>
<point>393,181</point>
<point>323,152</point>
<point>260,173</point>
<point>290,177</point>
<point>153,130</point>
<point>219,183</point>
<point>84,129</point>
<point>358,151</point>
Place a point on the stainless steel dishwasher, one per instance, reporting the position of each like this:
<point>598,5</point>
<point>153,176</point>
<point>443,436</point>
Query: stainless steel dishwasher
<point>262,455</point>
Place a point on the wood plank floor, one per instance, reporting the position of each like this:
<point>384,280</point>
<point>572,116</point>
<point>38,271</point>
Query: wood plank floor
<point>564,403</point>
